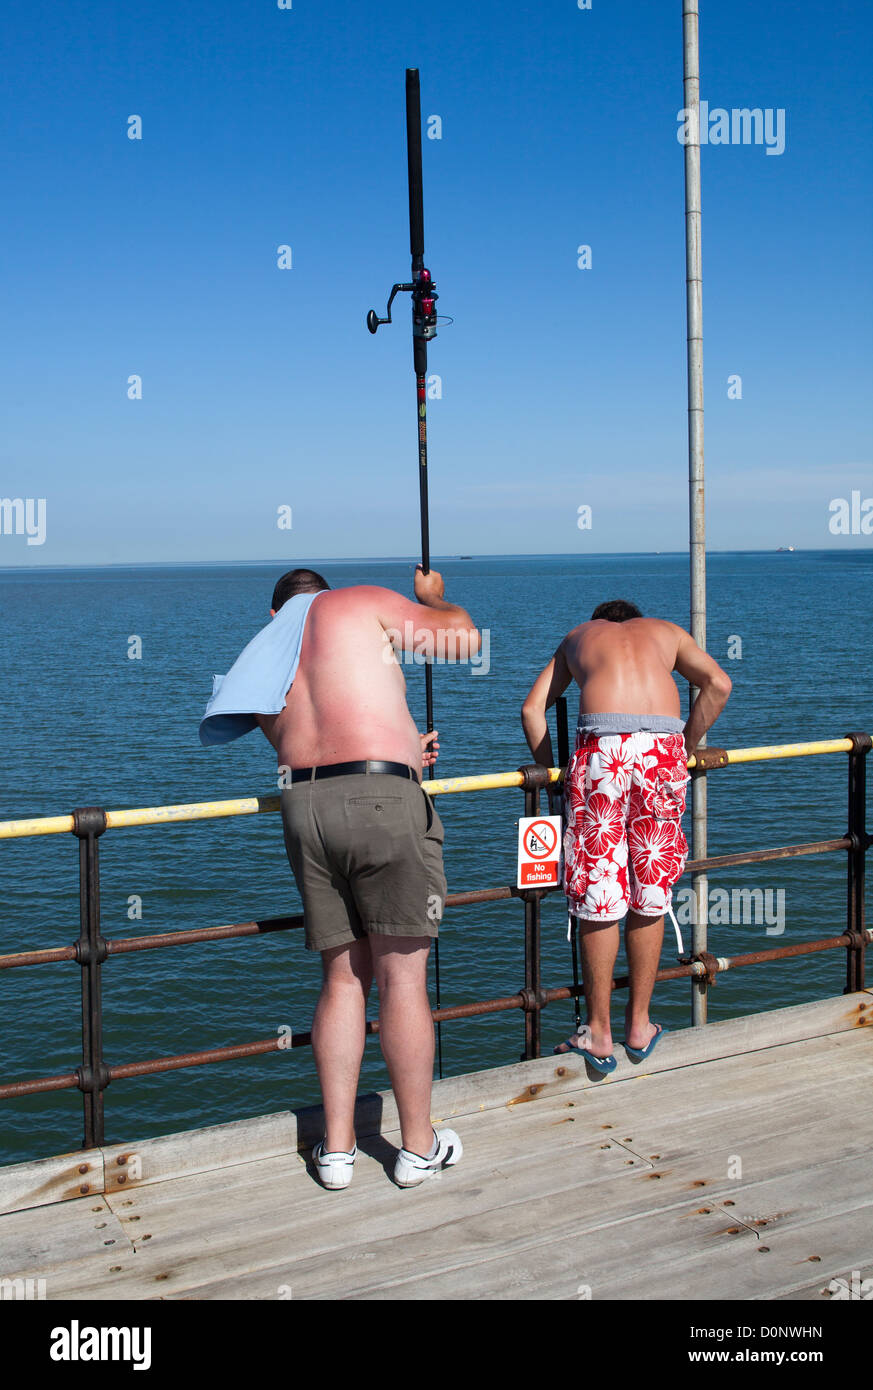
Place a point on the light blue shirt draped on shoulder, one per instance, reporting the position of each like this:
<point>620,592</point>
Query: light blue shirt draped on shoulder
<point>259,679</point>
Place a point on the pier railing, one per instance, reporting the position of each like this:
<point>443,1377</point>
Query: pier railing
<point>92,950</point>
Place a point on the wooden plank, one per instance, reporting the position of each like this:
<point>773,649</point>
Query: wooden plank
<point>661,1253</point>
<point>243,1236</point>
<point>200,1150</point>
<point>656,1102</point>
<point>652,1259</point>
<point>324,1236</point>
<point>63,1247</point>
<point>48,1180</point>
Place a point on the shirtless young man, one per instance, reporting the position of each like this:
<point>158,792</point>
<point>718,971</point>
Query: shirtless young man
<point>624,795</point>
<point>365,844</point>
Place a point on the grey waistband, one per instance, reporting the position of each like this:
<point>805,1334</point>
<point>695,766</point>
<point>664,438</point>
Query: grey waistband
<point>604,724</point>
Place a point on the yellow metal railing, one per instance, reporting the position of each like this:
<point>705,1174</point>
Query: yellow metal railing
<point>252,805</point>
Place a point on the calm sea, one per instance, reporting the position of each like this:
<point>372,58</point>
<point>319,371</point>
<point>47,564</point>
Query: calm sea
<point>84,724</point>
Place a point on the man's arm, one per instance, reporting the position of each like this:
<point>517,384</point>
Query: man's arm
<point>549,684</point>
<point>432,626</point>
<point>713,686</point>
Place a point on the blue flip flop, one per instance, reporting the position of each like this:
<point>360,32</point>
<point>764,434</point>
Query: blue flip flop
<point>639,1054</point>
<point>604,1065</point>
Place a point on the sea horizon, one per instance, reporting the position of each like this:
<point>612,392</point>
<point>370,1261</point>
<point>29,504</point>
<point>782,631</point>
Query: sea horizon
<point>306,560</point>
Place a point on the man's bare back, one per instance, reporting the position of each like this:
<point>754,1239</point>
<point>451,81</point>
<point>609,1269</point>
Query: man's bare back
<point>348,699</point>
<point>625,667</point>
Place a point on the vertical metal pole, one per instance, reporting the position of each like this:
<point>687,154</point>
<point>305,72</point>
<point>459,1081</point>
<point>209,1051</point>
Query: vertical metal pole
<point>563,760</point>
<point>574,950</point>
<point>555,790</point>
<point>694,314</point>
<point>89,822</point>
<point>855,919</point>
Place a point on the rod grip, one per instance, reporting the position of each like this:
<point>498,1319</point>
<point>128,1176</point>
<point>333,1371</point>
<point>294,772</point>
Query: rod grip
<point>413,151</point>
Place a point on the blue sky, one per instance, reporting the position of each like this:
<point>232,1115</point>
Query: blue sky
<point>561,387</point>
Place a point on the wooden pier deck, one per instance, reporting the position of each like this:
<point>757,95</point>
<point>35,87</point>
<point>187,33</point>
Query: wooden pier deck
<point>734,1164</point>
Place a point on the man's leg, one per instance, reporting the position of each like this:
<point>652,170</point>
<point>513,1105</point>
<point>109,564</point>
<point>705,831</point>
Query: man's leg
<point>338,1035</point>
<point>599,949</point>
<point>643,937</point>
<point>406,1031</point>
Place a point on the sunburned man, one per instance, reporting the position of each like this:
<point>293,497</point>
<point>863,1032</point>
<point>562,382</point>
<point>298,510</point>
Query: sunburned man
<point>624,796</point>
<point>365,842</point>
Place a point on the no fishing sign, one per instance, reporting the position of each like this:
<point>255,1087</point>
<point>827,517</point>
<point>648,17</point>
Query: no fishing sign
<point>539,851</point>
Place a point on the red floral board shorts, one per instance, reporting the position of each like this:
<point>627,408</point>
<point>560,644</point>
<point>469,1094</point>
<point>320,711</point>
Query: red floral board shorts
<point>624,796</point>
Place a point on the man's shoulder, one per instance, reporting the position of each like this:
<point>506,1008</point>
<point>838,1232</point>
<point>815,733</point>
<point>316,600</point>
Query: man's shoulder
<point>667,636</point>
<point>662,625</point>
<point>359,595</point>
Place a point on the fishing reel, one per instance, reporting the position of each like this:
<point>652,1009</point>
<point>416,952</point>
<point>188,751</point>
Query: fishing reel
<point>424,298</point>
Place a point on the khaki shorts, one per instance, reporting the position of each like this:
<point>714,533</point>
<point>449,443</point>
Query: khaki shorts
<point>367,854</point>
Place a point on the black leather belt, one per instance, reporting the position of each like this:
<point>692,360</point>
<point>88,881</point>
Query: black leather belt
<point>372,765</point>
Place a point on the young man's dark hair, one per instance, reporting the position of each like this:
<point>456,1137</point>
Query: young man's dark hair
<point>297,582</point>
<point>617,610</point>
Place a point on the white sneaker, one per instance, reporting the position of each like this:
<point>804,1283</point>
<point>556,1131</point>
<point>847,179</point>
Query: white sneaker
<point>411,1169</point>
<point>334,1169</point>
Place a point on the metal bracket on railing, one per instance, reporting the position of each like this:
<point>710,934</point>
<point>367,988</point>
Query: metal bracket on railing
<point>707,758</point>
<point>861,743</point>
<point>856,940</point>
<point>709,963</point>
<point>91,1079</point>
<point>88,820</point>
<point>533,777</point>
<point>88,953</point>
<point>531,895</point>
<point>532,999</point>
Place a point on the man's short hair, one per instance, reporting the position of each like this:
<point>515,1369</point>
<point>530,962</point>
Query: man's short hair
<point>297,582</point>
<point>617,610</point>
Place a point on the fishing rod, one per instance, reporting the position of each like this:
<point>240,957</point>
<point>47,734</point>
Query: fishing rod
<point>424,322</point>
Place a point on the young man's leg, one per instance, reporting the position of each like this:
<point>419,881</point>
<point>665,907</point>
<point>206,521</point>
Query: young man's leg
<point>406,1031</point>
<point>643,938</point>
<point>338,1035</point>
<point>599,950</point>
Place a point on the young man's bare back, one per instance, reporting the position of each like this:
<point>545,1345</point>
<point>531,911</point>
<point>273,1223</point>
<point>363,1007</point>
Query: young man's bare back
<point>626,667</point>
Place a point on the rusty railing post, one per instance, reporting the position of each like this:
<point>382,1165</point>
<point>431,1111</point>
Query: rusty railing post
<point>89,823</point>
<point>535,777</point>
<point>857,831</point>
<point>563,732</point>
